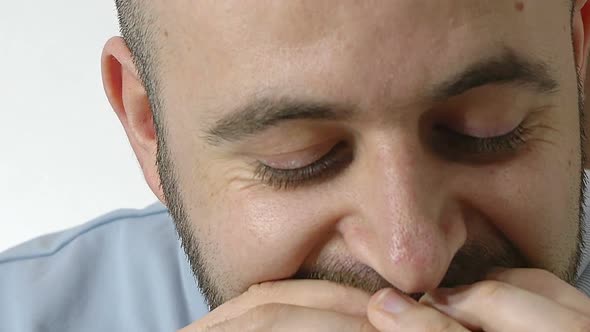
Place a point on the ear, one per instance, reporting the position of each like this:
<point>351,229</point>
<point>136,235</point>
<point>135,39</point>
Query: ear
<point>581,40</point>
<point>130,102</point>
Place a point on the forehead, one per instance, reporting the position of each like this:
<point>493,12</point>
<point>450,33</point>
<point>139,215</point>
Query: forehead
<point>298,22</point>
<point>386,47</point>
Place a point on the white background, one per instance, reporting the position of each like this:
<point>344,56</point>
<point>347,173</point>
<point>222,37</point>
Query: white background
<point>64,157</point>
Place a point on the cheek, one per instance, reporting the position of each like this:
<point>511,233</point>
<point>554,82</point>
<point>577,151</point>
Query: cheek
<point>246,227</point>
<point>265,235</point>
<point>534,202</point>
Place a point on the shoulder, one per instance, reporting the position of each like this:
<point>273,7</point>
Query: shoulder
<point>124,270</point>
<point>53,245</point>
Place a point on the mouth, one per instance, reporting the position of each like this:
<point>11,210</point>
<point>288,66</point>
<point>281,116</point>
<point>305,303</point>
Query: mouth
<point>363,278</point>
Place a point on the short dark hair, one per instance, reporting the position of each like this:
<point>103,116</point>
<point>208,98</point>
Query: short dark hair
<point>138,29</point>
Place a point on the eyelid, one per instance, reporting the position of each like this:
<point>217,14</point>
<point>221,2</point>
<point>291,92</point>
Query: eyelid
<point>459,146</point>
<point>489,132</point>
<point>484,128</point>
<point>329,165</point>
<point>297,159</point>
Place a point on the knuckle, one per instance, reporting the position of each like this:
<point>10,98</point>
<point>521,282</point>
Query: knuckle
<point>542,274</point>
<point>266,311</point>
<point>439,323</point>
<point>267,290</point>
<point>366,326</point>
<point>264,317</point>
<point>445,326</point>
<point>262,287</point>
<point>490,289</point>
<point>260,318</point>
<point>215,328</point>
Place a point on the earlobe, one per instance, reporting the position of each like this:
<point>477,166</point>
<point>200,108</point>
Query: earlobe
<point>130,103</point>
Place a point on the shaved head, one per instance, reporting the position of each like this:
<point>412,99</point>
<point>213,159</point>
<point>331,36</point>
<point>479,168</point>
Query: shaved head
<point>138,28</point>
<point>400,143</point>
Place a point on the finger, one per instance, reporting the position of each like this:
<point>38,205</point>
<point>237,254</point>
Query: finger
<point>390,311</point>
<point>285,317</point>
<point>496,306</point>
<point>317,294</point>
<point>546,284</point>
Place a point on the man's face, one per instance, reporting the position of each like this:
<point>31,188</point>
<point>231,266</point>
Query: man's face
<point>373,143</point>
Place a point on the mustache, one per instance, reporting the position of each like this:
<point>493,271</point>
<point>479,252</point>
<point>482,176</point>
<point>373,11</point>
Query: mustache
<point>469,265</point>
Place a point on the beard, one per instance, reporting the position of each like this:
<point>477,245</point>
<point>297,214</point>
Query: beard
<point>469,265</point>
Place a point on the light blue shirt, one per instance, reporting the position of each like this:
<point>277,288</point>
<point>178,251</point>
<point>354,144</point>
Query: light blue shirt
<point>124,271</point>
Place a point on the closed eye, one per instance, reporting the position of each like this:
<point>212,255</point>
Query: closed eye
<point>329,165</point>
<point>466,146</point>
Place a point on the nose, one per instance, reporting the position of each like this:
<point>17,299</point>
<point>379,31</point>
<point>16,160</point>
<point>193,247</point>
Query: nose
<point>405,224</point>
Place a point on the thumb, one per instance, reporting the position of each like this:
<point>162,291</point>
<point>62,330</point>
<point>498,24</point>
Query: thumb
<point>391,311</point>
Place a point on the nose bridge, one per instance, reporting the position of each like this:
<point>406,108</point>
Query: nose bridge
<point>402,211</point>
<point>402,182</point>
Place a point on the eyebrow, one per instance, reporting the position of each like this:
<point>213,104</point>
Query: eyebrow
<point>507,68</point>
<point>262,113</point>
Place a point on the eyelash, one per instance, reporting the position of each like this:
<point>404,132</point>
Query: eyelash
<point>338,158</point>
<point>455,145</point>
<point>464,147</point>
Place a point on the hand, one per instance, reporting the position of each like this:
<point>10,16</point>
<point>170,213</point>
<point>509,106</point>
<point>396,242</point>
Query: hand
<point>291,305</point>
<point>509,300</point>
<point>391,311</point>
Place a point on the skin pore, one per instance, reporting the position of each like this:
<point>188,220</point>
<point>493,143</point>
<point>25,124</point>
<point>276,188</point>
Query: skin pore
<point>377,144</point>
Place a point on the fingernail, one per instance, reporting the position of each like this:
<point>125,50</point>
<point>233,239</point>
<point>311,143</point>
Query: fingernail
<point>444,296</point>
<point>428,298</point>
<point>393,302</point>
<point>440,296</point>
